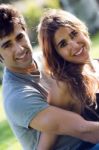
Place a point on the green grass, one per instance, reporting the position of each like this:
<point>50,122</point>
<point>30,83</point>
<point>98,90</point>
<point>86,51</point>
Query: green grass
<point>7,139</point>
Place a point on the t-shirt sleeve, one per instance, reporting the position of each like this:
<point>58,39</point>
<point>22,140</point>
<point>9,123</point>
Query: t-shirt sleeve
<point>24,105</point>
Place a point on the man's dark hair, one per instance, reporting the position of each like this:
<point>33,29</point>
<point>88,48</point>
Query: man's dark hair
<point>8,17</point>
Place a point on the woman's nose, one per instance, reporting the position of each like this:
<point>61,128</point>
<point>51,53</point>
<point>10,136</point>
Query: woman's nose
<point>74,44</point>
<point>74,47</point>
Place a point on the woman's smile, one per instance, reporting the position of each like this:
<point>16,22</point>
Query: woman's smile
<point>79,52</point>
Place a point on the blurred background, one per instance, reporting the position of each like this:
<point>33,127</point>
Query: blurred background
<point>88,11</point>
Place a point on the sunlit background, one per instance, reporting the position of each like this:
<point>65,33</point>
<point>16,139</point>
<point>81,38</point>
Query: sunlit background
<point>86,10</point>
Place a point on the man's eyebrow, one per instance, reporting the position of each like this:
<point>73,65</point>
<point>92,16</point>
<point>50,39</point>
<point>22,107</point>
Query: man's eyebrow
<point>5,43</point>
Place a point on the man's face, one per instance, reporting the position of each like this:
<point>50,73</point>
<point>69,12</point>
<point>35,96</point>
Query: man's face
<point>16,49</point>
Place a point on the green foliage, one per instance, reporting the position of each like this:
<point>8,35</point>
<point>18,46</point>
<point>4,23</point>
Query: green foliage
<point>7,1</point>
<point>32,15</point>
<point>52,4</point>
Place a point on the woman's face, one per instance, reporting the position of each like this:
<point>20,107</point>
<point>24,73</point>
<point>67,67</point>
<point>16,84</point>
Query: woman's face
<point>72,45</point>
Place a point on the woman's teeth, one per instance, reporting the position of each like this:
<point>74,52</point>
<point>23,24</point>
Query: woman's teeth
<point>79,52</point>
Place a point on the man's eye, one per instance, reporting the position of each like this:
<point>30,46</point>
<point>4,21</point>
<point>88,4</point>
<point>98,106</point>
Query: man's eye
<point>63,44</point>
<point>7,45</point>
<point>19,37</point>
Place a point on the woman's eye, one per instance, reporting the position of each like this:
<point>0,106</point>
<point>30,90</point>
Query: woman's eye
<point>73,34</point>
<point>63,44</point>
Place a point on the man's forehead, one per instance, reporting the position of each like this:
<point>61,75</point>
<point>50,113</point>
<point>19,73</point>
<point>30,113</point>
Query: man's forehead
<point>16,27</point>
<point>17,30</point>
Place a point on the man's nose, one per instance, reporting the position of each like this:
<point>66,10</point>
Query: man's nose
<point>19,48</point>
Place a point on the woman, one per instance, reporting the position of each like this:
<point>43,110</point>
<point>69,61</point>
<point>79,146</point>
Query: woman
<point>65,43</point>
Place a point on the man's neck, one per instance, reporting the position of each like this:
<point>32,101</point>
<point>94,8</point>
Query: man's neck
<point>28,70</point>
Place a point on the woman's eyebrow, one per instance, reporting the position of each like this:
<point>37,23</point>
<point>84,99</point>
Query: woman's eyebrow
<point>60,42</point>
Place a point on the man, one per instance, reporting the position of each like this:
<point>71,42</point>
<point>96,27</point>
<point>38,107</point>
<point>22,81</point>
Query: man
<point>25,103</point>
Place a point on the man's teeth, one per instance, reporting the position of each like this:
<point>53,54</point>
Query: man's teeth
<point>22,56</point>
<point>79,52</point>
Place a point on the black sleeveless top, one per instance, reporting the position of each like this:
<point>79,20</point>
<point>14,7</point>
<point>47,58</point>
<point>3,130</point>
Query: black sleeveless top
<point>90,113</point>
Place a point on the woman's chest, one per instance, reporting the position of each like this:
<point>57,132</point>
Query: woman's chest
<point>61,96</point>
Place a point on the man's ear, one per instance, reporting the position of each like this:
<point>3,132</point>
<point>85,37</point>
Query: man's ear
<point>1,59</point>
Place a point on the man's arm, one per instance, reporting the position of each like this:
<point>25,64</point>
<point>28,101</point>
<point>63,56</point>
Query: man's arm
<point>61,122</point>
<point>47,141</point>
